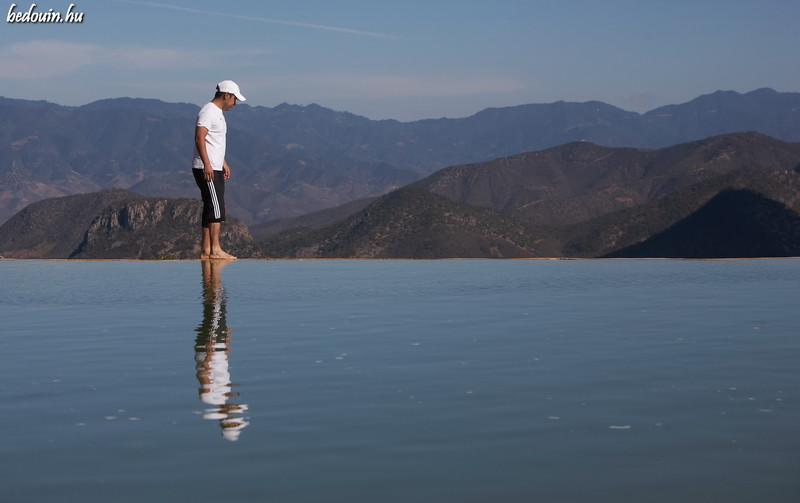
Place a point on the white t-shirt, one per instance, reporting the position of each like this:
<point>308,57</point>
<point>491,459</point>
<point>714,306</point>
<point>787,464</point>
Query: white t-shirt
<point>211,118</point>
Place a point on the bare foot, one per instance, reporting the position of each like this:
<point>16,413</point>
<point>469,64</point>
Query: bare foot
<point>221,255</point>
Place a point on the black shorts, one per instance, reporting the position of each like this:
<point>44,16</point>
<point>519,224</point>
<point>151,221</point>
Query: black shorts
<point>213,195</point>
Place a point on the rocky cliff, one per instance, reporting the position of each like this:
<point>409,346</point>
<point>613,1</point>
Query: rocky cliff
<point>115,224</point>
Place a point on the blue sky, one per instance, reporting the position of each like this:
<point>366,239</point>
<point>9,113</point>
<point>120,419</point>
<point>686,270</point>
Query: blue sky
<point>403,60</point>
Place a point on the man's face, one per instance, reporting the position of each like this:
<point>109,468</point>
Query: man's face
<point>228,101</point>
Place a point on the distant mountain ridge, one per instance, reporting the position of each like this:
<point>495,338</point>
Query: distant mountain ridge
<point>584,200</point>
<point>578,181</point>
<point>292,160</point>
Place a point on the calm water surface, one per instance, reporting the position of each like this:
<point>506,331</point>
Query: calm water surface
<point>400,381</point>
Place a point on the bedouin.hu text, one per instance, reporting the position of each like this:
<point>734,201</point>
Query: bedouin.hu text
<point>34,15</point>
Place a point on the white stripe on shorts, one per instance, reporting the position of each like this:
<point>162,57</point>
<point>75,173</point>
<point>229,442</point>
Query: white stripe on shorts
<point>214,200</point>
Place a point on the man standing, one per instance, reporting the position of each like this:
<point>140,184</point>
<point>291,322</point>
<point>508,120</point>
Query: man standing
<point>210,168</point>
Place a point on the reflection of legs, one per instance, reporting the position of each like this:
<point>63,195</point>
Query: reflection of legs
<point>210,243</point>
<point>212,284</point>
<point>211,347</point>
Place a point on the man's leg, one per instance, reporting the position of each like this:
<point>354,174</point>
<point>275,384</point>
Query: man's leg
<point>205,243</point>
<point>215,250</point>
<point>213,193</point>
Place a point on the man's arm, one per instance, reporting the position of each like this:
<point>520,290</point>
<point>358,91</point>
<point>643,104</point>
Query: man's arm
<point>200,133</point>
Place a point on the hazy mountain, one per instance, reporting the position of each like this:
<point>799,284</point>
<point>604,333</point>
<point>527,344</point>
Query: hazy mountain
<point>578,181</point>
<point>764,110</point>
<point>428,145</point>
<point>414,223</point>
<point>583,200</point>
<point>146,146</point>
<point>114,223</point>
<point>291,160</point>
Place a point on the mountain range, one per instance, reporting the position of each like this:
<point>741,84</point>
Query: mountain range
<point>291,160</point>
<point>582,200</point>
<point>734,195</point>
<point>111,180</point>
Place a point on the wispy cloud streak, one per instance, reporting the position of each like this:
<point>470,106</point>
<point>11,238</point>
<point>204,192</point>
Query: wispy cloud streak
<point>263,20</point>
<point>37,59</point>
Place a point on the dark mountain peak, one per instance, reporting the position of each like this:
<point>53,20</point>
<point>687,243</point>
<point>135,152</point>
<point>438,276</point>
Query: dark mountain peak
<point>733,224</point>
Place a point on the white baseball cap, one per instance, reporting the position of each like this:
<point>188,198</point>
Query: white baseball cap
<point>229,86</point>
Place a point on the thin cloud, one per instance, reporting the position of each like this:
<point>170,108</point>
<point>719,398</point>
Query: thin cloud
<point>160,58</point>
<point>45,58</point>
<point>37,59</point>
<point>153,58</point>
<point>264,20</point>
<point>378,87</point>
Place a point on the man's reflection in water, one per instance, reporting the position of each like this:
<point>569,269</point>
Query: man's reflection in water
<point>211,355</point>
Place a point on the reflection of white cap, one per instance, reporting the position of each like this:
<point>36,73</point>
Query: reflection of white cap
<point>229,86</point>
